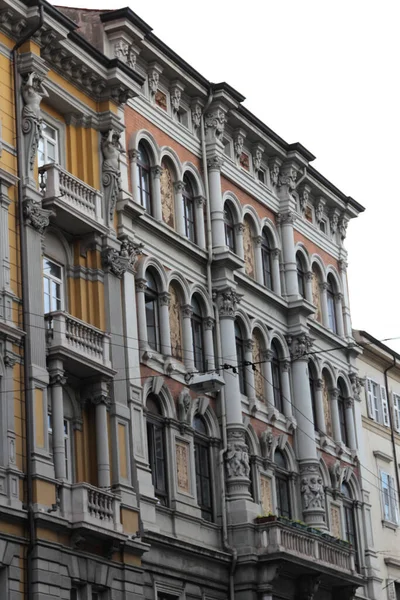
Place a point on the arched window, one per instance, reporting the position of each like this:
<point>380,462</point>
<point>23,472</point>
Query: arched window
<point>202,464</point>
<point>312,380</point>
<point>282,487</point>
<point>266,259</point>
<point>188,210</point>
<point>276,377</point>
<point>240,354</point>
<point>342,413</point>
<point>301,275</point>
<point>143,177</point>
<point>330,296</point>
<point>198,336</point>
<point>156,448</point>
<point>152,312</point>
<point>350,531</point>
<point>229,228</point>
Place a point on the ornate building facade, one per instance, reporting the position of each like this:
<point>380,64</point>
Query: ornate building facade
<point>179,385</point>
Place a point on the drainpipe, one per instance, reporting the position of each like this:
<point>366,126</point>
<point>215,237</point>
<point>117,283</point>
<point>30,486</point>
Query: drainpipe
<point>222,452</point>
<point>25,307</point>
<point>396,466</point>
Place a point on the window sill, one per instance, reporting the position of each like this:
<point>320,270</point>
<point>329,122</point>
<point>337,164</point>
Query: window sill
<point>389,524</point>
<point>328,333</point>
<point>259,289</point>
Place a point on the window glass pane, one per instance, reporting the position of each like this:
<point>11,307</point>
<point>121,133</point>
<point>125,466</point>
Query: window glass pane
<point>48,131</point>
<point>151,323</point>
<point>51,268</point>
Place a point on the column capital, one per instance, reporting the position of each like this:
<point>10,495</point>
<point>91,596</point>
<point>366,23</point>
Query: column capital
<point>349,402</point>
<point>179,187</point>
<point>214,124</point>
<point>308,275</point>
<point>187,311</point>
<point>257,240</point>
<point>215,162</point>
<point>323,286</point>
<point>285,365</point>
<point>239,228</point>
<point>57,377</point>
<point>334,393</point>
<point>300,346</point>
<point>339,297</point>
<point>119,261</point>
<point>266,355</point>
<point>275,253</point>
<point>249,344</point>
<point>319,384</point>
<point>101,397</point>
<point>208,323</point>
<point>287,217</point>
<point>227,301</point>
<point>156,171</point>
<point>164,298</point>
<point>342,265</point>
<point>133,154</point>
<point>200,201</point>
<point>10,359</point>
<point>140,285</point>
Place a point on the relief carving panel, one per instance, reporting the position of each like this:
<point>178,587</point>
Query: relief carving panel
<point>327,407</point>
<point>182,466</point>
<point>175,323</point>
<point>167,195</point>
<point>266,494</point>
<point>258,378</point>
<point>335,522</point>
<point>248,249</point>
<point>316,296</point>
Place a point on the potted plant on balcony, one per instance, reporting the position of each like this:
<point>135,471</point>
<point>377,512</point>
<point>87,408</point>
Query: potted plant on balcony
<point>268,518</point>
<point>299,524</point>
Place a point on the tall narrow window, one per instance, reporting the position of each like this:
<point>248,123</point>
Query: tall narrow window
<point>283,504</point>
<point>276,377</point>
<point>301,276</point>
<point>68,450</point>
<point>52,285</point>
<point>313,397</point>
<point>143,177</point>
<point>350,532</point>
<point>330,294</point>
<point>202,463</point>
<point>152,313</point>
<point>156,448</point>
<point>266,260</point>
<point>342,414</point>
<point>48,145</point>
<point>198,336</point>
<point>188,210</point>
<point>240,358</point>
<point>229,228</point>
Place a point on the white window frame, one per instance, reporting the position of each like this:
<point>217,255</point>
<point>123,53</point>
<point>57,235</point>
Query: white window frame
<point>49,141</point>
<point>57,281</point>
<point>377,404</point>
<point>396,411</point>
<point>390,507</point>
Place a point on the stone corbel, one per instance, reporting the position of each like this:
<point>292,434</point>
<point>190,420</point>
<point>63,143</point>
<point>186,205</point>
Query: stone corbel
<point>175,92</point>
<point>257,155</point>
<point>126,52</point>
<point>36,216</point>
<point>239,136</point>
<point>319,208</point>
<point>197,112</point>
<point>274,165</point>
<point>334,220</point>
<point>343,223</point>
<point>214,123</point>
<point>287,181</point>
<point>153,77</point>
<point>304,197</point>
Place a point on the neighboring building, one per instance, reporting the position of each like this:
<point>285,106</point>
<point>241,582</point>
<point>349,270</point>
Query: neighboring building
<point>177,333</point>
<point>379,367</point>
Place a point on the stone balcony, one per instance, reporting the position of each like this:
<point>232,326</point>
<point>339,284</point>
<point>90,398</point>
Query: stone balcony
<point>78,208</point>
<point>84,349</point>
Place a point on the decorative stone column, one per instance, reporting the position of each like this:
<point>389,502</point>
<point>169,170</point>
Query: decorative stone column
<point>156,192</point>
<point>208,325</point>
<point>239,239</point>
<point>101,401</point>
<point>333,397</point>
<point>308,286</point>
<point>286,393</point>
<point>257,240</point>
<point>187,336</point>
<point>286,220</point>
<point>312,490</point>
<point>319,405</point>
<point>179,187</point>
<point>57,382</point>
<point>276,272</point>
<point>250,383</point>
<point>324,303</point>
<point>339,314</point>
<point>216,203</point>
<point>199,221</point>
<point>141,287</point>
<point>165,332</point>
<point>346,310</point>
<point>269,388</point>
<point>133,156</point>
<point>350,426</point>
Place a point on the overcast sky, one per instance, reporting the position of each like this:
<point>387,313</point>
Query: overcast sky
<point>325,74</point>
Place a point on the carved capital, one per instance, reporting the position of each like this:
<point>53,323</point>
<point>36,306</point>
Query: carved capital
<point>287,217</point>
<point>249,345</point>
<point>257,241</point>
<point>214,123</point>
<point>227,301</point>
<point>257,154</point>
<point>342,265</point>
<point>36,216</point>
<point>349,402</point>
<point>101,398</point>
<point>164,298</point>
<point>285,366</point>
<point>312,489</point>
<point>133,155</point>
<point>156,171</point>
<point>118,262</point>
<point>187,311</point>
<point>196,115</point>
<point>239,228</point>
<point>215,162</point>
<point>308,276</point>
<point>179,187</point>
<point>319,384</point>
<point>288,177</point>
<point>237,456</point>
<point>57,378</point>
<point>141,285</point>
<point>208,323</point>
<point>10,360</point>
<point>200,201</point>
<point>300,346</point>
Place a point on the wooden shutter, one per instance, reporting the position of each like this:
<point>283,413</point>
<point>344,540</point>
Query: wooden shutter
<point>385,406</point>
<point>393,500</point>
<point>396,411</point>
<point>370,399</point>
<point>391,590</point>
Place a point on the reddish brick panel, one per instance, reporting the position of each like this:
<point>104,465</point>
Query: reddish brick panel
<point>312,248</point>
<point>245,198</point>
<point>259,427</point>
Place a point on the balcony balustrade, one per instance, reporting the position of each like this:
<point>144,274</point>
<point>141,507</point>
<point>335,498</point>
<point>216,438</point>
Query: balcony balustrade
<point>89,506</point>
<point>77,206</point>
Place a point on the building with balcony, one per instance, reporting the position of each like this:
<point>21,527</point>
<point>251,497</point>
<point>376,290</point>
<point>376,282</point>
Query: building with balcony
<point>180,395</point>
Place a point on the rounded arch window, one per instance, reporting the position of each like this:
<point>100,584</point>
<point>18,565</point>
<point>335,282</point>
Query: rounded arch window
<point>188,209</point>
<point>229,227</point>
<point>330,296</point>
<point>198,335</point>
<point>276,376</point>
<point>282,485</point>
<point>301,275</point>
<point>266,257</point>
<point>156,447</point>
<point>240,357</point>
<point>202,467</point>
<point>143,177</point>
<point>152,311</point>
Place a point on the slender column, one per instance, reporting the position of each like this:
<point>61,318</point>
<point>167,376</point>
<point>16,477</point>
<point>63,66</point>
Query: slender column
<point>289,254</point>
<point>276,273</point>
<point>133,156</point>
<point>350,427</point>
<point>308,286</point>
<point>333,396</point>
<point>319,405</point>
<point>250,383</point>
<point>199,221</point>
<point>216,203</point>
<point>346,309</point>
<point>156,192</point>
<point>141,287</point>
<point>187,335</point>
<point>208,325</point>
<point>239,240</point>
<point>286,395</point>
<point>258,258</point>
<point>179,187</point>
<point>324,303</point>
<point>339,314</point>
<point>312,490</point>
<point>165,333</point>
<point>103,455</point>
<point>269,389</point>
<point>57,381</point>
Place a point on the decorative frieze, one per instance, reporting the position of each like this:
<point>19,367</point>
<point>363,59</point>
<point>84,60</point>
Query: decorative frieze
<point>111,175</point>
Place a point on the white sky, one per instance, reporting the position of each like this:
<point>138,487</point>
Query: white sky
<point>325,74</point>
